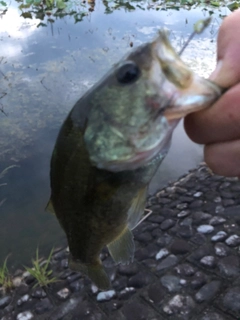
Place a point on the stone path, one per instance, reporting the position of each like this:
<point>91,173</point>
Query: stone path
<point>187,264</point>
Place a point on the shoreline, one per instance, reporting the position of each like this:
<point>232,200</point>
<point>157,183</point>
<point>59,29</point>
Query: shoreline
<point>186,265</point>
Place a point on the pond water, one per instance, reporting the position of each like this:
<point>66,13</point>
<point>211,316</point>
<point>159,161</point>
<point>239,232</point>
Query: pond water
<point>43,71</point>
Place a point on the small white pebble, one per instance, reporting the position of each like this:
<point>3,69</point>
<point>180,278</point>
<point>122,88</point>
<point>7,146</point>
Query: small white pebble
<point>106,295</point>
<point>219,236</point>
<point>161,254</point>
<point>232,240</point>
<point>197,194</point>
<point>205,228</point>
<point>26,315</point>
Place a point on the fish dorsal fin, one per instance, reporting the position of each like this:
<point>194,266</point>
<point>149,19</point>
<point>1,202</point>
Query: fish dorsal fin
<point>136,210</point>
<point>122,248</point>
<point>49,207</point>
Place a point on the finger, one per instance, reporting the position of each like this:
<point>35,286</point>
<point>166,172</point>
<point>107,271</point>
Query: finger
<point>224,158</point>
<point>227,72</point>
<point>220,122</point>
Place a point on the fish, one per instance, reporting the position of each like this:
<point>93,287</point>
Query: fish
<point>110,146</point>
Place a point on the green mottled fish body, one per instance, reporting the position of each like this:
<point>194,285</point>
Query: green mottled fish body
<point>111,145</point>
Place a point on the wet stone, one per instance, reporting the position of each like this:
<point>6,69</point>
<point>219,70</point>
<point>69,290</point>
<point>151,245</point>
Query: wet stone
<point>186,222</point>
<point>156,292</point>
<point>140,280</point>
<point>172,283</point>
<point>199,239</point>
<point>221,249</point>
<point>152,250</point>
<point>161,254</point>
<point>150,263</point>
<point>233,240</point>
<point>156,218</point>
<point>167,224</point>
<point>112,306</point>
<point>231,299</point>
<point>218,200</point>
<point>231,227</point>
<point>227,195</point>
<point>143,237</point>
<point>199,280</point>
<point>185,231</point>
<point>129,269</point>
<point>64,263</point>
<point>198,194</point>
<point>164,240</point>
<point>220,236</point>
<point>216,220</point>
<point>141,254</point>
<point>205,250</point>
<point>23,299</point>
<point>73,277</point>
<point>168,262</point>
<point>60,255</point>
<point>26,315</point>
<point>205,229</point>
<point>106,295</point>
<point>43,306</point>
<point>120,283</point>
<point>208,261</point>
<point>135,311</point>
<point>183,213</point>
<point>229,266</point>
<point>157,233</point>
<point>76,286</point>
<point>126,293</point>
<point>5,301</point>
<point>212,316</point>
<point>179,304</point>
<point>208,291</point>
<point>163,200</point>
<point>38,293</point>
<point>63,294</point>
<point>180,246</point>
<point>219,209</point>
<point>196,204</point>
<point>228,202</point>
<point>185,270</point>
<point>200,216</point>
<point>182,206</point>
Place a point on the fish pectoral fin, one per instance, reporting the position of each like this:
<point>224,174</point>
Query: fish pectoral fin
<point>95,272</point>
<point>136,210</point>
<point>122,248</point>
<point>49,207</point>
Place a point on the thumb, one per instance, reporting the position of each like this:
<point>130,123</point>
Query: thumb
<point>227,72</point>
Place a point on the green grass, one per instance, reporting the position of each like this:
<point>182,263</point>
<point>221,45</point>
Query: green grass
<point>40,271</point>
<point>5,278</point>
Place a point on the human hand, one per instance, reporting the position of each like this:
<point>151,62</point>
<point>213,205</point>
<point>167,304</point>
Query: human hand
<point>218,127</point>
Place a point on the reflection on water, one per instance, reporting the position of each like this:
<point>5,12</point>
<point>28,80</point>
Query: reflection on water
<point>43,72</point>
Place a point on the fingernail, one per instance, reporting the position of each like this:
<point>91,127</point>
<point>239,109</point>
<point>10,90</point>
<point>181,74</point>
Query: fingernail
<point>216,72</point>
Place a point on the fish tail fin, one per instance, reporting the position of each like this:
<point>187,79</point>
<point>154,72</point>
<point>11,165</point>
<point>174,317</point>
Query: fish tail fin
<point>122,248</point>
<point>94,271</point>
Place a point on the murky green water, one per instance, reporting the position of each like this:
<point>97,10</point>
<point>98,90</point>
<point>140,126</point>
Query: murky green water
<point>43,71</point>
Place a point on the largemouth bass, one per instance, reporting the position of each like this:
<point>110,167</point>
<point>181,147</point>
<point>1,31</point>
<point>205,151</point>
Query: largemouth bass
<point>110,146</point>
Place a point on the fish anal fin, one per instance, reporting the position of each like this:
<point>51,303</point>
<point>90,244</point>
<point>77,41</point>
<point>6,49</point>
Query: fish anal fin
<point>95,272</point>
<point>49,207</point>
<point>122,248</point>
<point>136,210</point>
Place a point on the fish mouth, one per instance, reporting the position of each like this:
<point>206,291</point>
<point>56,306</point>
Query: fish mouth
<point>201,94</point>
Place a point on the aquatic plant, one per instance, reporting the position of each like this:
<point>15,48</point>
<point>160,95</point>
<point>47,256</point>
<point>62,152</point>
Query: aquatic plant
<point>49,10</point>
<point>6,282</point>
<point>40,270</point>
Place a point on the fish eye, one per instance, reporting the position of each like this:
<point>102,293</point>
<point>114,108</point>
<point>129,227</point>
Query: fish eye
<point>128,73</point>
